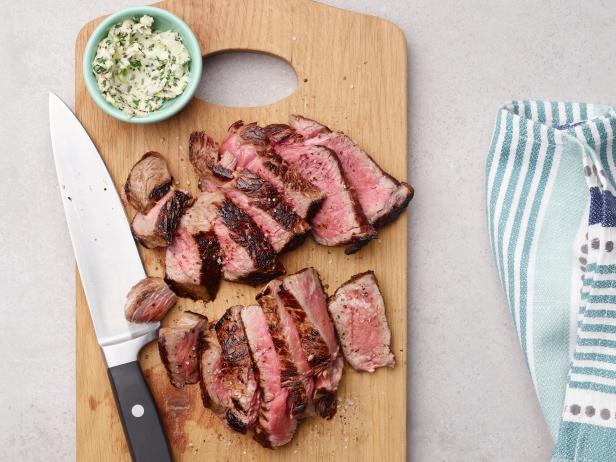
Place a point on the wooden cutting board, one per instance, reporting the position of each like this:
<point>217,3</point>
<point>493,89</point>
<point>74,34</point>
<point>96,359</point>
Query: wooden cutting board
<point>352,76</point>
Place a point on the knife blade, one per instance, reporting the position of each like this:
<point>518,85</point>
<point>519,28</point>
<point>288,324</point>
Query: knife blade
<point>109,265</point>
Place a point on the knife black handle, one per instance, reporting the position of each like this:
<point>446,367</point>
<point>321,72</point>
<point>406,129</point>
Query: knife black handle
<point>142,426</point>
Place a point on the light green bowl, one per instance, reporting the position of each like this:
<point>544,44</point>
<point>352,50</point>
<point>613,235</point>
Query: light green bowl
<point>163,21</point>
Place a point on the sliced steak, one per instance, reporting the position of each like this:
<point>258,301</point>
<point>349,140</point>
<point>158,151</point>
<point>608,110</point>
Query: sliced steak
<point>194,261</point>
<point>256,197</point>
<point>237,371</point>
<point>147,182</point>
<point>382,197</point>
<point>156,228</point>
<point>214,391</point>
<point>178,346</point>
<point>306,289</point>
<point>340,220</point>
<point>358,311</point>
<point>248,146</point>
<point>275,426</point>
<point>296,373</point>
<point>283,228</point>
<point>193,264</point>
<point>314,348</point>
<point>205,159</point>
<point>224,235</point>
<point>238,232</point>
<point>149,300</point>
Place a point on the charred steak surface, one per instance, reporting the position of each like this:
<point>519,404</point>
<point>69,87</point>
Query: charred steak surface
<point>237,246</point>
<point>307,290</point>
<point>194,261</point>
<point>156,228</point>
<point>237,370</point>
<point>250,149</point>
<point>296,373</point>
<point>275,426</point>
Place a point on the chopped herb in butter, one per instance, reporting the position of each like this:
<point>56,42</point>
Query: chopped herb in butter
<point>138,69</point>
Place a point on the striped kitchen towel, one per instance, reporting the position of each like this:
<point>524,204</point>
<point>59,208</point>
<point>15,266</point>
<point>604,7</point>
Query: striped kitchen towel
<point>551,212</point>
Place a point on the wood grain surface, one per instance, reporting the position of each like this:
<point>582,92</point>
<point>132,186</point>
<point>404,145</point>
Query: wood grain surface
<point>352,76</point>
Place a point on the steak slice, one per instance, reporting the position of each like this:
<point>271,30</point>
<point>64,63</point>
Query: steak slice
<point>275,426</point>
<point>358,311</point>
<point>382,197</point>
<point>256,197</point>
<point>237,371</point>
<point>205,159</point>
<point>214,391</point>
<point>283,228</point>
<point>178,346</point>
<point>147,182</point>
<point>296,373</point>
<point>156,228</point>
<point>241,247</point>
<point>241,232</point>
<point>248,145</point>
<point>306,289</point>
<point>149,300</point>
<point>340,220</point>
<point>194,261</point>
<point>193,264</point>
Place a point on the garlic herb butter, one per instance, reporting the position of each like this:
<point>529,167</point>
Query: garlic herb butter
<point>138,69</point>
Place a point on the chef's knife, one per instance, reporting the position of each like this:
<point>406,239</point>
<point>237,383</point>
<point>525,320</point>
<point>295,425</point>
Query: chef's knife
<point>109,266</point>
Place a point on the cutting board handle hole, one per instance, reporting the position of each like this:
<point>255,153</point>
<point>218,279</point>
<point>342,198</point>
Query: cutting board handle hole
<point>245,79</point>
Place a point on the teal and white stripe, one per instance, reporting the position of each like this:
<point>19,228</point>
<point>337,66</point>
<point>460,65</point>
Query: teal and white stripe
<point>530,241</point>
<point>557,270</point>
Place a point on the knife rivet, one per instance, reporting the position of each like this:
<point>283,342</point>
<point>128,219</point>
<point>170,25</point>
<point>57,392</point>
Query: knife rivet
<point>137,410</point>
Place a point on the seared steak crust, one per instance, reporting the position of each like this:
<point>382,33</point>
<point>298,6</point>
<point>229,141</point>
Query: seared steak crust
<point>250,133</point>
<point>290,376</point>
<point>149,300</point>
<point>156,228</point>
<point>326,404</point>
<point>275,426</point>
<point>178,346</point>
<point>306,288</point>
<point>211,256</point>
<point>249,146</point>
<point>202,152</point>
<point>174,210</point>
<point>265,197</point>
<point>283,228</point>
<point>216,386</point>
<point>238,371</point>
<point>245,232</point>
<point>313,345</point>
<point>147,182</point>
<point>237,245</point>
<point>295,184</point>
<point>358,311</point>
<point>281,225</point>
<point>194,264</point>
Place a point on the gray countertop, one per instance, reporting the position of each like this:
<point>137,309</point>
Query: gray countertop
<point>471,398</point>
